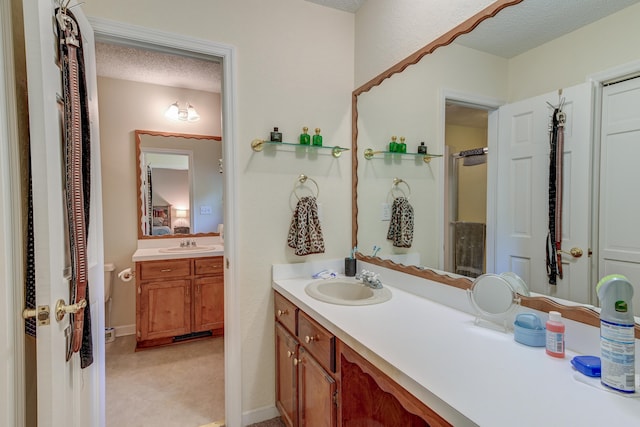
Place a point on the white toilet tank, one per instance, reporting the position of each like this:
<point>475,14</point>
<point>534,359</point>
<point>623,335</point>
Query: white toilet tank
<point>109,269</point>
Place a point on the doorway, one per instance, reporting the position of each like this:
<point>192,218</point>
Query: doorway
<point>110,32</point>
<point>466,136</point>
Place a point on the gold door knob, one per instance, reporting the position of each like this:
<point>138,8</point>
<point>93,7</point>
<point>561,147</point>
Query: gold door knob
<point>282,312</point>
<point>296,361</point>
<point>289,353</point>
<point>62,308</point>
<point>574,252</point>
<point>309,339</point>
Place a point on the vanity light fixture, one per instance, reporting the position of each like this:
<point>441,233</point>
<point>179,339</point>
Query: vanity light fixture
<point>188,114</point>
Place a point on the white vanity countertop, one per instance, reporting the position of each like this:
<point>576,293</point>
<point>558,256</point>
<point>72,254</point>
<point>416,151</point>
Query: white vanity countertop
<point>469,374</point>
<point>153,254</point>
<point>154,249</point>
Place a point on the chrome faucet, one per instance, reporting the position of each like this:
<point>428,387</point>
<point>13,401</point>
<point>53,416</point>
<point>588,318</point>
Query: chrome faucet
<point>370,279</point>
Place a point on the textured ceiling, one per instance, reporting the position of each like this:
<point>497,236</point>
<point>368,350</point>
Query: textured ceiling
<point>129,63</point>
<point>346,5</point>
<point>517,29</point>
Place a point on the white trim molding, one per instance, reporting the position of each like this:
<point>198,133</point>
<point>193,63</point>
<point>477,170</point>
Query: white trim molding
<point>12,365</point>
<point>132,35</point>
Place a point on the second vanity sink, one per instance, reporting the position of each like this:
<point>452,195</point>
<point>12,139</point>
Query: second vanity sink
<point>191,249</point>
<point>346,291</point>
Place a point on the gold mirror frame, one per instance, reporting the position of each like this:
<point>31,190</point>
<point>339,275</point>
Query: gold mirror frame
<point>577,313</point>
<point>138,134</point>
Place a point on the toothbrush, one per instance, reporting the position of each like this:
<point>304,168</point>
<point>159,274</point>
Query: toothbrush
<point>375,250</point>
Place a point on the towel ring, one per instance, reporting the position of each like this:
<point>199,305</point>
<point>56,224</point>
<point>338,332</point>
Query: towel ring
<point>302,179</point>
<point>396,182</point>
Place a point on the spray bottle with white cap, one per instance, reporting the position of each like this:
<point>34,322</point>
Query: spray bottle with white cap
<point>617,340</point>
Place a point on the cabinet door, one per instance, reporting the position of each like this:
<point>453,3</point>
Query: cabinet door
<point>316,393</point>
<point>286,378</point>
<point>165,309</point>
<point>208,303</point>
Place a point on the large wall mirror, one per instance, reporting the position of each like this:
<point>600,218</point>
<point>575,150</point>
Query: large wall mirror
<point>180,184</point>
<point>448,95</point>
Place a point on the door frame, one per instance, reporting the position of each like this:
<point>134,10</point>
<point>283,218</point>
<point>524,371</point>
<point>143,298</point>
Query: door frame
<point>107,30</point>
<point>598,80</point>
<point>12,394</point>
<point>483,103</point>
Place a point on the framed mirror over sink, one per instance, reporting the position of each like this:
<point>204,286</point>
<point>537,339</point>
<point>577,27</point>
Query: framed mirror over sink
<point>473,65</point>
<point>179,183</point>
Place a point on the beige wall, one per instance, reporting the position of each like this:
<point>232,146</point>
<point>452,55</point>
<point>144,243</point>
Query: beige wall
<point>605,44</point>
<point>294,69</point>
<point>472,180</point>
<point>125,106</point>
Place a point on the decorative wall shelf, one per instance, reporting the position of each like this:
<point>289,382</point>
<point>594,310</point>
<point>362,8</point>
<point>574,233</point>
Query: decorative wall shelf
<point>259,144</point>
<point>369,154</point>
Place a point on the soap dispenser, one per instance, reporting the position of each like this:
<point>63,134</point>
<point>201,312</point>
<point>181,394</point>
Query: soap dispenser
<point>617,338</point>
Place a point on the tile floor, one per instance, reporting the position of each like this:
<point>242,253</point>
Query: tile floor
<point>175,386</point>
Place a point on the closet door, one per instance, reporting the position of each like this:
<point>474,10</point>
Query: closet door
<point>619,247</point>
<point>523,188</point>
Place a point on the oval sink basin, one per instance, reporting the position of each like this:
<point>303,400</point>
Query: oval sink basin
<point>346,291</point>
<point>191,249</point>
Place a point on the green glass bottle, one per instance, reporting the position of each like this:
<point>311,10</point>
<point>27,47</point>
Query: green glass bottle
<point>402,147</point>
<point>317,138</point>
<point>393,145</point>
<point>305,138</point>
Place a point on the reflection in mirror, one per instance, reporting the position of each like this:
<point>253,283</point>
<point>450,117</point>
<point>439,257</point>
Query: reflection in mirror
<point>179,184</point>
<point>493,298</point>
<point>411,98</point>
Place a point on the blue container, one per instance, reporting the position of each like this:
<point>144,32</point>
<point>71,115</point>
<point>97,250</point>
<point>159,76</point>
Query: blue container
<point>529,330</point>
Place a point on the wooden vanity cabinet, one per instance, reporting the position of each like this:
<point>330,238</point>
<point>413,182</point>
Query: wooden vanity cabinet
<point>368,397</point>
<point>208,298</point>
<point>320,381</point>
<point>305,368</point>
<point>177,298</point>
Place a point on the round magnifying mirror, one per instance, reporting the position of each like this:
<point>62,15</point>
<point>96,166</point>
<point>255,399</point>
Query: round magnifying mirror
<point>493,297</point>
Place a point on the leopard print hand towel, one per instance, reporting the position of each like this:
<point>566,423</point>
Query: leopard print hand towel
<point>401,225</point>
<point>305,233</point>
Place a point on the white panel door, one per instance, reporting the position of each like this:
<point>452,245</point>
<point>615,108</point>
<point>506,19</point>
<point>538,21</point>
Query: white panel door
<point>67,395</point>
<point>619,249</point>
<point>522,191</point>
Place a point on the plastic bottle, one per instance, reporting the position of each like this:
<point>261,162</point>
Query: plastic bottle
<point>617,340</point>
<point>555,335</point>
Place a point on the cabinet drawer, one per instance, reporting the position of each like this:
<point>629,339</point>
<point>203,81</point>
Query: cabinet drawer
<point>165,268</point>
<point>209,265</point>
<point>319,342</point>
<point>285,312</point>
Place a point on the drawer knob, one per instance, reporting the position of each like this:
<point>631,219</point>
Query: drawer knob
<point>309,339</point>
<point>296,361</point>
<point>282,312</point>
<point>289,353</point>
<point>165,270</point>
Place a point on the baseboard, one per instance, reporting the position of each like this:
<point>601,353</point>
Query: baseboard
<point>258,415</point>
<point>124,330</point>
